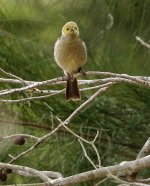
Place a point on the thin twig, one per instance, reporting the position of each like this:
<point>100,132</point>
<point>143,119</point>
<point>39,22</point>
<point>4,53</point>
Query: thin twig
<point>96,136</point>
<point>31,98</point>
<point>85,154</point>
<point>143,42</point>
<point>63,124</point>
<point>31,86</point>
<point>97,154</point>
<point>13,76</point>
<point>85,104</point>
<point>35,144</point>
<point>21,135</point>
<point>82,139</point>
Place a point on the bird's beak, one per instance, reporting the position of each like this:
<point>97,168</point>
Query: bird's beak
<point>73,30</point>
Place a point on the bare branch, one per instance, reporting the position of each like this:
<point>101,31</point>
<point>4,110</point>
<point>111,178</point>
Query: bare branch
<point>82,139</point>
<point>85,154</point>
<point>21,135</point>
<point>124,76</point>
<point>138,184</point>
<point>133,184</point>
<point>31,86</point>
<point>106,80</point>
<point>57,128</point>
<point>101,181</point>
<point>35,172</point>
<point>35,144</point>
<point>115,78</point>
<point>13,76</point>
<point>31,98</point>
<point>144,180</point>
<point>130,166</point>
<point>103,172</point>
<point>144,152</point>
<point>124,182</point>
<point>50,93</point>
<point>28,184</point>
<point>97,134</point>
<point>63,124</point>
<point>97,153</point>
<point>50,174</point>
<point>15,81</point>
<point>143,42</point>
<point>102,84</point>
<point>85,104</point>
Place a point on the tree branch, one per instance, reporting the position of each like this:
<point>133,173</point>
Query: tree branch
<point>85,104</point>
<point>102,84</point>
<point>144,152</point>
<point>85,154</point>
<point>103,172</point>
<point>30,84</point>
<point>143,42</point>
<point>35,172</point>
<point>125,168</point>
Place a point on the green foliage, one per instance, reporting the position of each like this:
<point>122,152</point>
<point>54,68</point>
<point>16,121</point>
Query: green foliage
<point>28,31</point>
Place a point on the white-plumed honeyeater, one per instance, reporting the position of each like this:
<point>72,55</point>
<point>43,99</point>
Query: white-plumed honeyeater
<point>70,54</point>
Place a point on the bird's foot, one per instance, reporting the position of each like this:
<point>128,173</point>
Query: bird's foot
<point>69,76</point>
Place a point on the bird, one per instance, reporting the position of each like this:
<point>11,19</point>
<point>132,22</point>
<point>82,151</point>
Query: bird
<point>70,54</point>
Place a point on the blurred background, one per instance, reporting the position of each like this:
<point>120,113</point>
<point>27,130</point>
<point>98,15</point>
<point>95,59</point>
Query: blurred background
<point>28,31</point>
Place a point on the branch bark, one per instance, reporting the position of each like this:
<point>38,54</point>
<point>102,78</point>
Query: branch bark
<point>32,171</point>
<point>122,168</point>
<point>144,152</point>
<point>103,172</point>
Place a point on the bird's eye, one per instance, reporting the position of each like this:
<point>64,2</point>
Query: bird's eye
<point>75,28</point>
<point>67,28</point>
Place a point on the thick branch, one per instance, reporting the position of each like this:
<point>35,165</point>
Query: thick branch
<point>125,168</point>
<point>103,172</point>
<point>145,150</point>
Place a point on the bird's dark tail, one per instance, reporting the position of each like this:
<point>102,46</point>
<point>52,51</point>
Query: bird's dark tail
<point>72,89</point>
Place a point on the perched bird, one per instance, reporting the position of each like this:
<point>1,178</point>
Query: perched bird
<point>70,54</point>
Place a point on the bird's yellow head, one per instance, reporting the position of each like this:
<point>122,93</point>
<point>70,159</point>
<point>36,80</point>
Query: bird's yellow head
<point>70,29</point>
